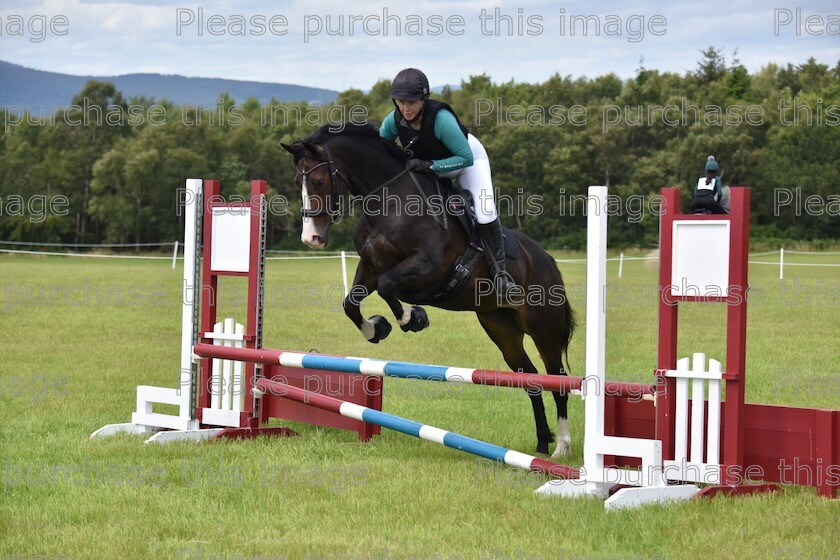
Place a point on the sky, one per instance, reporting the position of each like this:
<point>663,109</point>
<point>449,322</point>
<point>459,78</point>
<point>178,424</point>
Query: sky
<point>342,45</point>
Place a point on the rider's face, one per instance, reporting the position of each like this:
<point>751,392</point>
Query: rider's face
<point>410,109</point>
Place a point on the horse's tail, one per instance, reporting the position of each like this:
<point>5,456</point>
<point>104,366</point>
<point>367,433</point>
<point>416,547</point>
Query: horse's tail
<point>571,323</point>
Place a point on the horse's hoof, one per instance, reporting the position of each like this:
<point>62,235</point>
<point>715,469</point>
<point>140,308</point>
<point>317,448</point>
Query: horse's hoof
<point>381,328</point>
<point>542,448</point>
<point>564,447</point>
<point>419,320</point>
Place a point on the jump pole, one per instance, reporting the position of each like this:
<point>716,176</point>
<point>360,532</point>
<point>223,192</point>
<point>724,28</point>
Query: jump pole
<point>425,372</point>
<point>416,429</point>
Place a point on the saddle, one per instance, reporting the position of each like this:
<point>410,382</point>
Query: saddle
<point>458,204</point>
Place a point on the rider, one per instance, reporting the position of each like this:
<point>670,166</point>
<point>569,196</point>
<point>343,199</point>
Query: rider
<point>709,192</point>
<point>437,142</point>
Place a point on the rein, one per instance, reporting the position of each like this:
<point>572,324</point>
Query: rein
<point>335,213</point>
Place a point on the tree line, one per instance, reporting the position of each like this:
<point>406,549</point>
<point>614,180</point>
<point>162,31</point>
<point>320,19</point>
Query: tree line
<point>116,165</point>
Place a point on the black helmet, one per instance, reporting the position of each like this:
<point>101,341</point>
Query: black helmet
<point>410,84</point>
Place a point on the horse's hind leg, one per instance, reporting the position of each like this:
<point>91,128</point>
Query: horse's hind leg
<point>503,328</point>
<point>545,336</point>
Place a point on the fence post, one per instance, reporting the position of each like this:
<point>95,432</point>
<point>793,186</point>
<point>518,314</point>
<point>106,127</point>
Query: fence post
<point>344,272</point>
<point>782,263</point>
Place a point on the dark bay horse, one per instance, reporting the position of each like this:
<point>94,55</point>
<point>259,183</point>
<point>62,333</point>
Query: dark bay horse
<point>405,251</point>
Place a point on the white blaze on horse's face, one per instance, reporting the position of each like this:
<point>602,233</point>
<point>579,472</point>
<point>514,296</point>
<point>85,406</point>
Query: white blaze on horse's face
<point>310,235</point>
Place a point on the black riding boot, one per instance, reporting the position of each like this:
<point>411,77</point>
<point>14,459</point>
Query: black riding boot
<point>494,251</point>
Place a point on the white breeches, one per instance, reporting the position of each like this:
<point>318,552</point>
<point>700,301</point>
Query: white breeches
<point>478,181</point>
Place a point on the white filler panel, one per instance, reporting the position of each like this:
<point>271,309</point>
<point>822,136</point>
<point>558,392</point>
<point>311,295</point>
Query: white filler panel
<point>231,242</point>
<point>700,264</point>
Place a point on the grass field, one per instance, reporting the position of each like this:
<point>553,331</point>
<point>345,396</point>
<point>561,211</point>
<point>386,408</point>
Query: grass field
<point>79,334</point>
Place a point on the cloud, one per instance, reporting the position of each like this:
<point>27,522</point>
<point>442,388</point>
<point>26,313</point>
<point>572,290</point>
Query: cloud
<point>348,50</point>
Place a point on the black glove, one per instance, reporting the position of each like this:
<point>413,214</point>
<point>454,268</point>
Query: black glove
<point>419,165</point>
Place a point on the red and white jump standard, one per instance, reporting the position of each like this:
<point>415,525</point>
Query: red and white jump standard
<point>216,397</point>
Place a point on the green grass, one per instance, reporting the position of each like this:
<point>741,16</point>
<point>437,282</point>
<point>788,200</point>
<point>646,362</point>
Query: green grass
<point>79,334</point>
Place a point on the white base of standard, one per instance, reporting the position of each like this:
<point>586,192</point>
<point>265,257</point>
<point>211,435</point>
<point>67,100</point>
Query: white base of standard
<point>623,498</point>
<point>146,422</point>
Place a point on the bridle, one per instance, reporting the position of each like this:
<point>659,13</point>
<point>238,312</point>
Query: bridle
<point>333,213</point>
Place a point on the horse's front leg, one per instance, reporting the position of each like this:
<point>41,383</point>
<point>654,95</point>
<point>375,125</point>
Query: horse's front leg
<point>377,328</point>
<point>408,276</point>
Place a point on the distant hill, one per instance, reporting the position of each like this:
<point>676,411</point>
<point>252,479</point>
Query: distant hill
<point>26,87</point>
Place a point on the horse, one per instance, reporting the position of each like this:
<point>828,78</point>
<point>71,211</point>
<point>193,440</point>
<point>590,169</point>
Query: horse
<point>405,252</point>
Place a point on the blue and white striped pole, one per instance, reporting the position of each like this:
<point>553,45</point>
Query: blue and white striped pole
<point>408,370</point>
<point>416,429</point>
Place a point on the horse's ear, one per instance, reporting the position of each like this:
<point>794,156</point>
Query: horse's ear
<point>312,149</point>
<point>294,149</point>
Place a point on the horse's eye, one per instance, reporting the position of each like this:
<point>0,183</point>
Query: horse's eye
<point>319,183</point>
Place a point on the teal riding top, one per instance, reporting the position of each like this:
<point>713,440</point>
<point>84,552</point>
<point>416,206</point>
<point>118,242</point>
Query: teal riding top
<point>448,132</point>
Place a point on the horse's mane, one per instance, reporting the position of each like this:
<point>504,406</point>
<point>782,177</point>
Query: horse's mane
<point>366,132</point>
